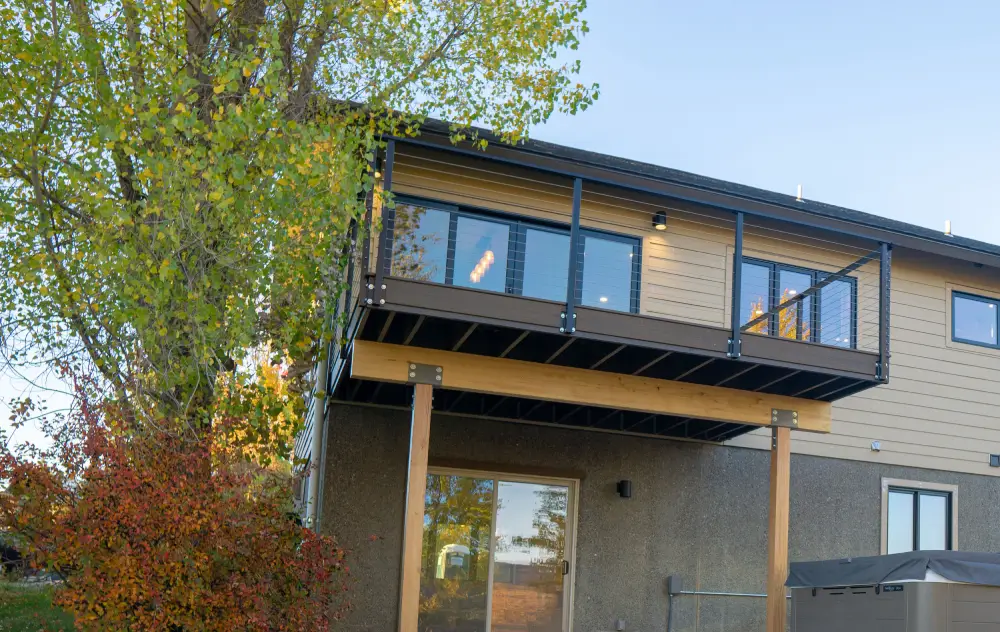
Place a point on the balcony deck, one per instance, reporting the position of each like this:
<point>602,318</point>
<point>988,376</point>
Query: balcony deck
<point>445,317</point>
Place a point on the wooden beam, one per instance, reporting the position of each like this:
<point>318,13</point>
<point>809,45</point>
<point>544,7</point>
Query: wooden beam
<point>777,530</point>
<point>413,520</point>
<point>514,378</point>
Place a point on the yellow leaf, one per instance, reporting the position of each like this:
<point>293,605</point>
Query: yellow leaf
<point>246,71</point>
<point>129,110</point>
<point>218,89</point>
<point>254,91</point>
<point>181,107</point>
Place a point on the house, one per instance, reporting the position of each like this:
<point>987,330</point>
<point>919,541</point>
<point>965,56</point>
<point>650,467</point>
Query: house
<point>565,376</point>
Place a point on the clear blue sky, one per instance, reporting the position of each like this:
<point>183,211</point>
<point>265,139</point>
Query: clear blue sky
<point>887,107</point>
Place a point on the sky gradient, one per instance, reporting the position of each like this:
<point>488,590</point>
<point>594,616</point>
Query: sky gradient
<point>885,107</point>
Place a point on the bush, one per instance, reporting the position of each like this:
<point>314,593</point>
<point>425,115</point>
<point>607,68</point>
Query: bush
<point>153,531</point>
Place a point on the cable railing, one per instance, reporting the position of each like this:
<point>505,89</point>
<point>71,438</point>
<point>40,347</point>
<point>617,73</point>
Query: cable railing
<point>529,233</point>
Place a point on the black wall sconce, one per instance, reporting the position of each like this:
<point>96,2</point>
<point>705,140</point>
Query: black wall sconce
<point>660,220</point>
<point>625,488</point>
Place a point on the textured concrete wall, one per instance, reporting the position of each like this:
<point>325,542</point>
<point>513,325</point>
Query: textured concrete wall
<point>698,511</point>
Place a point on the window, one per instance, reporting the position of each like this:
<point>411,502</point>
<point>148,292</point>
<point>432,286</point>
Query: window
<point>917,516</point>
<point>445,244</point>
<point>497,552</point>
<point>974,319</point>
<point>828,316</point>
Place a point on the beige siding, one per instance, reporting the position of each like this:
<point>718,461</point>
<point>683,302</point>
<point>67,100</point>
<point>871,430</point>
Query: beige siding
<point>941,409</point>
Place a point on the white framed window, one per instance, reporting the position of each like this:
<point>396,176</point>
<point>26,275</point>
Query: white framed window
<point>918,516</point>
<point>498,552</point>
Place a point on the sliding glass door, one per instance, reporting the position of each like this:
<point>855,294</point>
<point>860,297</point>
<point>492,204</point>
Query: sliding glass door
<point>496,554</point>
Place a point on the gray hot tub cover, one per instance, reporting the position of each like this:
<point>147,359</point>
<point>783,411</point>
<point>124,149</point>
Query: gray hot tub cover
<point>956,566</point>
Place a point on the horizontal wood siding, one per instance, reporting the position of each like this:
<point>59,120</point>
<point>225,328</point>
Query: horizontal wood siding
<point>941,409</point>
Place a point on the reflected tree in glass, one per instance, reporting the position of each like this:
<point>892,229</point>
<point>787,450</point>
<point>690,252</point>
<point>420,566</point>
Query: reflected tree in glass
<point>420,243</point>
<point>455,553</point>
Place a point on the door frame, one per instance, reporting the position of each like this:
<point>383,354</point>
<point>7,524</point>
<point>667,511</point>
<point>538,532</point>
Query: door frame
<point>572,514</point>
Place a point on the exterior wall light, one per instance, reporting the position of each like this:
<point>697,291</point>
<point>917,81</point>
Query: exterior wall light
<point>660,220</point>
<point>625,488</point>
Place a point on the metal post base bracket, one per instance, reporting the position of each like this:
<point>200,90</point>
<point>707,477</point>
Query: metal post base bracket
<point>424,374</point>
<point>784,418</point>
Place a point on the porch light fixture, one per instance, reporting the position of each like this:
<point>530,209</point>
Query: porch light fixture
<point>660,220</point>
<point>625,488</point>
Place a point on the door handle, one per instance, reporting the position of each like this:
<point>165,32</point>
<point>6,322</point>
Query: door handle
<point>565,567</point>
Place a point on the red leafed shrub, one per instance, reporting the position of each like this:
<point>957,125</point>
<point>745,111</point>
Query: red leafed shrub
<point>154,532</point>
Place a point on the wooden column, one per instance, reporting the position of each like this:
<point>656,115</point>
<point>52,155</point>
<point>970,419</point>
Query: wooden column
<point>777,530</point>
<point>413,521</point>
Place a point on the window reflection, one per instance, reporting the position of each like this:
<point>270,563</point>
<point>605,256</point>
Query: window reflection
<point>607,273</point>
<point>528,557</point>
<point>933,523</point>
<point>975,320</point>
<point>546,259</point>
<point>481,254</point>
<point>454,569</point>
<point>755,292</point>
<point>900,517</point>
<point>836,314</point>
<point>794,321</point>
<point>420,244</point>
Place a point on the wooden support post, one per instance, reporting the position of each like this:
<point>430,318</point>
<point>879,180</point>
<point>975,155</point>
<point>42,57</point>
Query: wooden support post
<point>777,530</point>
<point>413,520</point>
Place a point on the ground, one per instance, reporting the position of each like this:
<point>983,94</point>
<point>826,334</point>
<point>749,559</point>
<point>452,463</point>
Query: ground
<point>28,608</point>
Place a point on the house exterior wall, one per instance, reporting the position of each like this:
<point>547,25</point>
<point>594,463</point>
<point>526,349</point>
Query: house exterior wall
<point>941,408</point>
<point>697,510</point>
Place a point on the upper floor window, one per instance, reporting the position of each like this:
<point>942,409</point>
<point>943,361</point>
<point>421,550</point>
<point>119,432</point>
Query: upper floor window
<point>445,244</point>
<point>827,316</point>
<point>917,517</point>
<point>974,319</point>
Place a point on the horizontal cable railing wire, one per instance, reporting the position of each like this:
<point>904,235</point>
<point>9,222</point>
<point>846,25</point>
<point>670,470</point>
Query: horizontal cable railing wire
<point>508,231</point>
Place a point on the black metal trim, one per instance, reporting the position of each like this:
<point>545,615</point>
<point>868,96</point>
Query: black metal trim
<point>568,320</point>
<point>737,297</point>
<point>383,258</point>
<point>884,308</point>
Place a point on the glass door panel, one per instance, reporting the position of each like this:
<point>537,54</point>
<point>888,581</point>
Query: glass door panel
<point>454,568</point>
<point>528,558</point>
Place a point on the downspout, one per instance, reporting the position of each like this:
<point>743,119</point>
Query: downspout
<point>316,443</point>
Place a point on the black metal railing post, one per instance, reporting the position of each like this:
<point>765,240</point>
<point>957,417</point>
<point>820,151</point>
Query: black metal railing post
<point>885,282</point>
<point>734,335</point>
<point>383,261</point>
<point>367,294</point>
<point>568,321</point>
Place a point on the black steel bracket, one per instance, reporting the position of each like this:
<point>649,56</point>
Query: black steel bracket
<point>781,418</point>
<point>424,374</point>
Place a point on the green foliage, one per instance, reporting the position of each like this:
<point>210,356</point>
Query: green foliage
<point>178,177</point>
<point>26,608</point>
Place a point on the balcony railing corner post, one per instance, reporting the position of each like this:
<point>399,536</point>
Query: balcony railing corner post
<point>735,343</point>
<point>383,258</point>
<point>884,296</point>
<point>567,321</point>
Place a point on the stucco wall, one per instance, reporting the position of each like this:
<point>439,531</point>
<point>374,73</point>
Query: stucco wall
<point>696,510</point>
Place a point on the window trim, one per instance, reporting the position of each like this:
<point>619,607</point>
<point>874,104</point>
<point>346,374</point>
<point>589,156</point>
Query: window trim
<point>982,299</point>
<point>572,516</point>
<point>893,484</point>
<point>518,225</point>
<point>815,311</point>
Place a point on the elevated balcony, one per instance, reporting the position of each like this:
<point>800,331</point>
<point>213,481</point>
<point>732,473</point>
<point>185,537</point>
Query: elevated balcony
<point>480,256</point>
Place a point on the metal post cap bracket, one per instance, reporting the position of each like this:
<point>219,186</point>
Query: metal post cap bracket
<point>424,374</point>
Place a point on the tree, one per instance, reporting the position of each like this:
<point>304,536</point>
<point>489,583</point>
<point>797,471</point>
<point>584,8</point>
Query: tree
<point>144,541</point>
<point>793,321</point>
<point>179,176</point>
